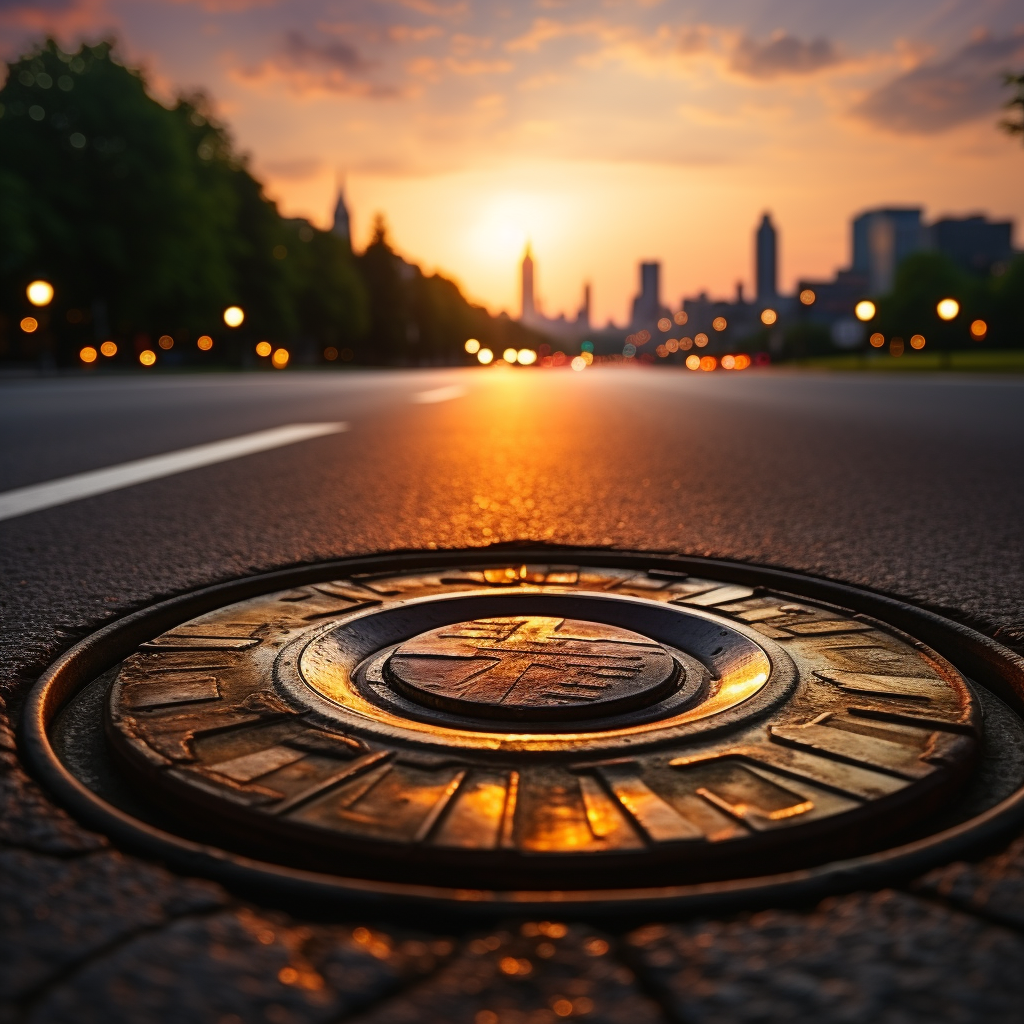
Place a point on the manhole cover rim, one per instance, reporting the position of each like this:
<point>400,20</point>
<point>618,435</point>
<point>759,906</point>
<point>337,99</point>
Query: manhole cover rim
<point>985,660</point>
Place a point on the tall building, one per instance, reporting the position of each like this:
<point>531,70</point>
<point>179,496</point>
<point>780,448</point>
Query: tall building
<point>974,243</point>
<point>647,305</point>
<point>767,260</point>
<point>882,240</point>
<point>558,328</point>
<point>526,286</point>
<point>342,226</point>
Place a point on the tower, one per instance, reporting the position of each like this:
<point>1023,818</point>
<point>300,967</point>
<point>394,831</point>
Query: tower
<point>528,308</point>
<point>583,316</point>
<point>647,305</point>
<point>766,258</point>
<point>342,226</point>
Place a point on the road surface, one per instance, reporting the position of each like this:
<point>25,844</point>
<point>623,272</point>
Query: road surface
<point>912,485</point>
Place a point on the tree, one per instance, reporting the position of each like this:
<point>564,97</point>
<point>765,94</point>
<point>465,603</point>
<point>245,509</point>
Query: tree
<point>1015,125</point>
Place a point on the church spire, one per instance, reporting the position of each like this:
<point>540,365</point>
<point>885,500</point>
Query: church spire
<point>342,226</point>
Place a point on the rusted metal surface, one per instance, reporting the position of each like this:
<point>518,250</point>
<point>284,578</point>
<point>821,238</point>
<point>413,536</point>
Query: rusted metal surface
<point>538,725</point>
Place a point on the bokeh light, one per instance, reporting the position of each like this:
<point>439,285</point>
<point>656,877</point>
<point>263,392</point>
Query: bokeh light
<point>742,361</point>
<point>979,329</point>
<point>264,348</point>
<point>700,340</point>
<point>279,360</point>
<point>40,293</point>
<point>472,346</point>
<point>108,348</point>
<point>147,357</point>
<point>877,340</point>
<point>681,318</point>
<point>768,317</point>
<point>728,362</point>
<point>664,324</point>
<point>672,344</point>
<point>662,351</point>
<point>233,316</point>
<point>719,323</point>
<point>948,309</point>
<point>87,354</point>
<point>896,347</point>
<point>686,344</point>
<point>527,357</point>
<point>807,297</point>
<point>864,310</point>
<point>510,355</point>
<point>629,350</point>
<point>485,356</point>
<point>204,343</point>
<point>693,362</point>
<point>165,341</point>
<point>917,342</point>
<point>708,363</point>
<point>29,324</point>
<point>578,363</point>
<point>330,353</point>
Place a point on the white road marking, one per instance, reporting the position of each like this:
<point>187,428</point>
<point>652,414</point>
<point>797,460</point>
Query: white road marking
<point>439,394</point>
<point>23,500</point>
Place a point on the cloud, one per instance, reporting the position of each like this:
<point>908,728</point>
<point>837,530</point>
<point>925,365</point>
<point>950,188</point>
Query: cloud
<point>939,95</point>
<point>782,54</point>
<point>335,66</point>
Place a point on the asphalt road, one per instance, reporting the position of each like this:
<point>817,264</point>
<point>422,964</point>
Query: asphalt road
<point>912,485</point>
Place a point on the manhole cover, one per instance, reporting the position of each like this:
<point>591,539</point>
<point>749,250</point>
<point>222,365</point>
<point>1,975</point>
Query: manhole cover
<point>583,727</point>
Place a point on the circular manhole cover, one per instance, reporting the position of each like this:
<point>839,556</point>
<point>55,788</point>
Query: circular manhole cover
<point>594,728</point>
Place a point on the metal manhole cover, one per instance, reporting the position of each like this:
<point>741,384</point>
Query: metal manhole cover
<point>599,729</point>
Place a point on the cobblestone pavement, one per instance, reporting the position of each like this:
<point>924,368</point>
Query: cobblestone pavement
<point>88,932</point>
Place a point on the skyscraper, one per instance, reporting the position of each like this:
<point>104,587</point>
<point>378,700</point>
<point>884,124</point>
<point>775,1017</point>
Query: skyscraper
<point>882,240</point>
<point>647,305</point>
<point>526,290</point>
<point>766,251</point>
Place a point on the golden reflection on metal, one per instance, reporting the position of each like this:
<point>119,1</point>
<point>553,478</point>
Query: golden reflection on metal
<point>719,745</point>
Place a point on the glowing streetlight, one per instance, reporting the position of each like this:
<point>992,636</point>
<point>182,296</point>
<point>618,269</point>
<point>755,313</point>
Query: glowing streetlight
<point>807,297</point>
<point>147,357</point>
<point>510,355</point>
<point>948,309</point>
<point>864,310</point>
<point>768,317</point>
<point>485,356</point>
<point>979,329</point>
<point>527,357</point>
<point>472,346</point>
<point>578,363</point>
<point>109,349</point>
<point>264,348</point>
<point>233,316</point>
<point>279,360</point>
<point>40,293</point>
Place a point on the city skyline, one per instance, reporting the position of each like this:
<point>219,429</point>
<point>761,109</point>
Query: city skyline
<point>603,135</point>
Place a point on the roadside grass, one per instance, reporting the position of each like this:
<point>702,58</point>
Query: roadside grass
<point>967,361</point>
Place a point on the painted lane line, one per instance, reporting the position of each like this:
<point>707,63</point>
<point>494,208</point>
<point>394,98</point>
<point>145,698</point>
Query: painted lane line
<point>439,394</point>
<point>23,500</point>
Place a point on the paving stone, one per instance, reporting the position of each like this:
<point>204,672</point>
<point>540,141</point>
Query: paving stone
<point>55,913</point>
<point>238,967</point>
<point>993,886</point>
<point>883,958</point>
<point>536,973</point>
<point>28,819</point>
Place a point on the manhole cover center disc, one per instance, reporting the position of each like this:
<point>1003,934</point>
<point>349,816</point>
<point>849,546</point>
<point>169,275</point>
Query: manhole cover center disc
<point>532,667</point>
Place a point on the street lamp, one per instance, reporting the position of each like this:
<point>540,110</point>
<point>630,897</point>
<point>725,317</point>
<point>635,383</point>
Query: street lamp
<point>233,316</point>
<point>40,293</point>
<point>948,309</point>
<point>864,310</point>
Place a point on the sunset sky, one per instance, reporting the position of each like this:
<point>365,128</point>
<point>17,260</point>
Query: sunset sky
<point>603,132</point>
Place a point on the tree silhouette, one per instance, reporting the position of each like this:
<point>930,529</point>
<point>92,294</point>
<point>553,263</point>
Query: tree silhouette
<point>1015,125</point>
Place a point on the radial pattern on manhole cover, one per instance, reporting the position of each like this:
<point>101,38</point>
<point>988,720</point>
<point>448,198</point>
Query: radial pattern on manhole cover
<point>532,730</point>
